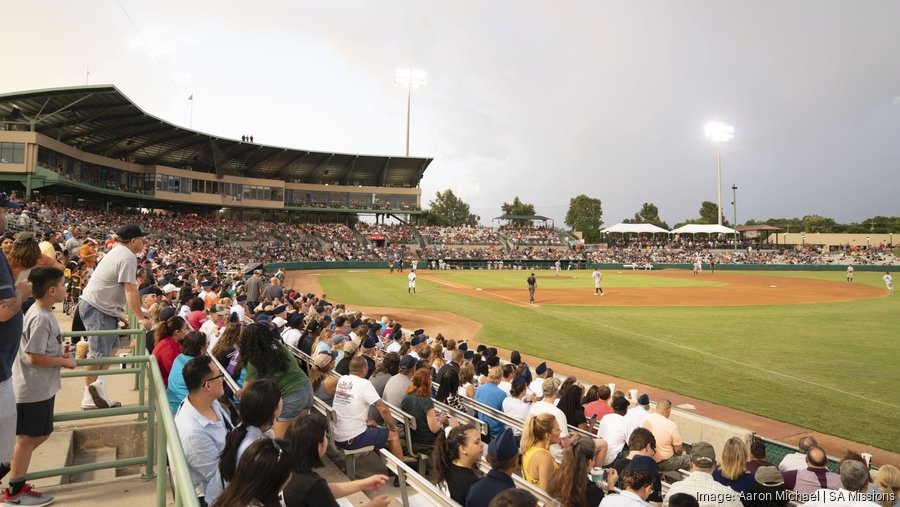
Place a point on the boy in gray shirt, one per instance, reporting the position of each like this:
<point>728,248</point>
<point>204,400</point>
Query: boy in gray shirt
<point>36,381</point>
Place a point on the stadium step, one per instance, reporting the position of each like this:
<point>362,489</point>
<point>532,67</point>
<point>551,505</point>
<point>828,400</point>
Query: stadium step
<point>94,456</point>
<point>103,493</point>
<point>56,452</point>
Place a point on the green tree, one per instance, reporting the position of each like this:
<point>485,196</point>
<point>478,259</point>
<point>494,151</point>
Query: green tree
<point>517,207</point>
<point>585,215</point>
<point>709,213</point>
<point>649,214</point>
<point>448,210</point>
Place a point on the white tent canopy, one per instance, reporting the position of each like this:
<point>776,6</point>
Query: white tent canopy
<point>703,229</point>
<point>636,228</point>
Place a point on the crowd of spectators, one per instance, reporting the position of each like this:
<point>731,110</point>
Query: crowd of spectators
<point>397,233</point>
<point>437,235</point>
<point>531,235</point>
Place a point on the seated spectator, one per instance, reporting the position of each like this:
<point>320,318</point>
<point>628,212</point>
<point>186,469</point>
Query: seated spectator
<point>260,406</point>
<point>683,500</point>
<point>193,345</point>
<point>323,382</point>
<point>227,353</point>
<point>571,485</point>
<point>448,390</point>
<point>815,476</point>
<point>758,456</point>
<point>503,456</point>
<point>733,472</point>
<point>669,449</point>
<point>768,489</point>
<point>614,428</point>
<point>490,394</point>
<point>514,498</point>
<point>570,404</point>
<point>390,366</point>
<point>638,413</point>
<point>197,316</point>
<point>600,406</point>
<point>700,483</point>
<point>641,443</point>
<point>467,379</point>
<point>292,333</point>
<point>547,405</point>
<point>797,460</point>
<point>261,475</point>
<point>266,356</point>
<point>352,399</point>
<point>853,490</point>
<point>538,434</point>
<point>168,344</point>
<point>454,458</point>
<point>396,386</point>
<point>887,483</point>
<point>309,441</point>
<point>513,405</point>
<point>638,481</point>
<point>419,404</point>
<point>202,424</point>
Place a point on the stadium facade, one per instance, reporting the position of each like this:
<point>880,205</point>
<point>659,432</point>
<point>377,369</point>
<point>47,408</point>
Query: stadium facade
<point>93,144</point>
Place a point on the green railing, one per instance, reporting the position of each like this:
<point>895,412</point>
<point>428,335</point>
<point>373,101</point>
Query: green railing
<point>161,432</point>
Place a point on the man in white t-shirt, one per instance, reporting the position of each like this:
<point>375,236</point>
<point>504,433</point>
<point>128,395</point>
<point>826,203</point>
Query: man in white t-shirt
<point>213,324</point>
<point>352,398</point>
<point>536,387</point>
<point>412,282</point>
<point>615,429</point>
<point>637,414</point>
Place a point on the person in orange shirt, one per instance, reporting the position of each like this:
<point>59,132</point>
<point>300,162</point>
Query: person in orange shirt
<point>88,253</point>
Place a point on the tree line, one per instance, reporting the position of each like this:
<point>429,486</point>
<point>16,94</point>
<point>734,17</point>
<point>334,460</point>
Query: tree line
<point>585,215</point>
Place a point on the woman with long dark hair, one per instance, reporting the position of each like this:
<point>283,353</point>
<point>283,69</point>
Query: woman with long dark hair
<point>260,406</point>
<point>307,488</point>
<point>265,356</point>
<point>448,392</point>
<point>570,404</point>
<point>263,471</point>
<point>570,483</point>
<point>454,457</point>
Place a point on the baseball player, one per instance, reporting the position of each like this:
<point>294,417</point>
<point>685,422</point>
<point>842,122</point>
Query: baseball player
<point>532,283</point>
<point>888,281</point>
<point>597,276</point>
<point>412,282</point>
<point>698,267</point>
<point>849,273</point>
<point>556,267</point>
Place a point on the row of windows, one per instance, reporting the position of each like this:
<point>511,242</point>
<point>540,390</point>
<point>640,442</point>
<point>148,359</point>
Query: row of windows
<point>12,153</point>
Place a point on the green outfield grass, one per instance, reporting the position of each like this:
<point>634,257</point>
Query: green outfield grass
<point>831,367</point>
<point>569,279</point>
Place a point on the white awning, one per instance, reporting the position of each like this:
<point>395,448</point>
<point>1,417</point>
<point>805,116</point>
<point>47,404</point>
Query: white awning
<point>703,229</point>
<point>636,228</point>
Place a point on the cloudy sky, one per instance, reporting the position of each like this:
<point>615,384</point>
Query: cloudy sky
<point>543,100</point>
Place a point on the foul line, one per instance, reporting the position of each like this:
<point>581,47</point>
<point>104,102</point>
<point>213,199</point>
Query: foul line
<point>455,285</point>
<point>747,365</point>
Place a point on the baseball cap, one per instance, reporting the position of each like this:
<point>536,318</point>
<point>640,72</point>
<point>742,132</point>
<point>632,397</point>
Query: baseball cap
<point>278,321</point>
<point>220,310</point>
<point>541,368</point>
<point>620,403</point>
<point>550,386</point>
<point>167,313</point>
<point>703,454</point>
<point>417,339</point>
<point>769,476</point>
<point>150,289</point>
<point>504,447</point>
<point>169,288</point>
<point>130,231</point>
<point>323,359</point>
<point>643,400</point>
<point>407,362</point>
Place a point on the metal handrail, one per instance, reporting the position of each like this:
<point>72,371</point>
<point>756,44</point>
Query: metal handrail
<point>418,482</point>
<point>521,483</point>
<point>232,384</point>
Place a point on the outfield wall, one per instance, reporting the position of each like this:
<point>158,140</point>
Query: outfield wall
<point>532,264</point>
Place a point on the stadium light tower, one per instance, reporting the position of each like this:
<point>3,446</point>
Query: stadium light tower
<point>410,78</point>
<point>719,131</point>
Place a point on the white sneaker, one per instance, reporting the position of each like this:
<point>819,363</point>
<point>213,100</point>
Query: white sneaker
<point>87,402</point>
<point>97,391</point>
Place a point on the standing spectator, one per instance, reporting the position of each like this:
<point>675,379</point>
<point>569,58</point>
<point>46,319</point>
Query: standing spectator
<point>168,345</point>
<point>733,472</point>
<point>261,475</point>
<point>102,305</point>
<point>36,382</point>
<point>274,290</point>
<point>490,394</point>
<point>73,244</point>
<point>503,456</point>
<point>254,287</point>
<point>202,423</point>
<point>266,357</point>
<point>571,486</point>
<point>669,448</point>
<point>309,441</point>
<point>193,345</point>
<point>700,483</point>
<point>455,454</point>
<point>260,406</point>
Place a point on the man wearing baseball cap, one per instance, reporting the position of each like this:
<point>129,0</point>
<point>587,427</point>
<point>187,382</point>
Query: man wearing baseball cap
<point>109,290</point>
<point>700,484</point>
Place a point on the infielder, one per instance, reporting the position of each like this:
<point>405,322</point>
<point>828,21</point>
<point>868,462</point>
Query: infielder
<point>532,283</point>
<point>888,281</point>
<point>698,267</point>
<point>597,275</point>
<point>556,267</point>
<point>412,282</point>
<point>849,273</point>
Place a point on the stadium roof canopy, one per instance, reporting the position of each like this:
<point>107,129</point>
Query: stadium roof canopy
<point>101,120</point>
<point>636,228</point>
<point>522,217</point>
<point>703,229</point>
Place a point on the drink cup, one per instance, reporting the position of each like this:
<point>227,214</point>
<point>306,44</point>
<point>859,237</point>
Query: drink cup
<point>612,388</point>
<point>598,475</point>
<point>634,394</point>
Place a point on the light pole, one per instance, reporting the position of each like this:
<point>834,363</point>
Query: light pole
<point>734,203</point>
<point>719,131</point>
<point>410,78</point>
<point>867,243</point>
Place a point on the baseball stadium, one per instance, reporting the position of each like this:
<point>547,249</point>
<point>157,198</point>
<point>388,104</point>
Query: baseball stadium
<point>752,333</point>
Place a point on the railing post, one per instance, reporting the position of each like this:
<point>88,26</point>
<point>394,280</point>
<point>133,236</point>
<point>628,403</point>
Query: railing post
<point>161,475</point>
<point>151,428</point>
<point>139,350</point>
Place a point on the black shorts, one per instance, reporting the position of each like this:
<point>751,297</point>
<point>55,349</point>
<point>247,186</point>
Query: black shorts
<point>35,419</point>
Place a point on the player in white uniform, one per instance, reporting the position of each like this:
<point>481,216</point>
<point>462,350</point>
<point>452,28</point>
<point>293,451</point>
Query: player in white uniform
<point>698,267</point>
<point>597,276</point>
<point>888,281</point>
<point>412,282</point>
<point>849,273</point>
<point>556,267</point>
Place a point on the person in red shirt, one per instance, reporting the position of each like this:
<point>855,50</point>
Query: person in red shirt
<point>599,407</point>
<point>168,344</point>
